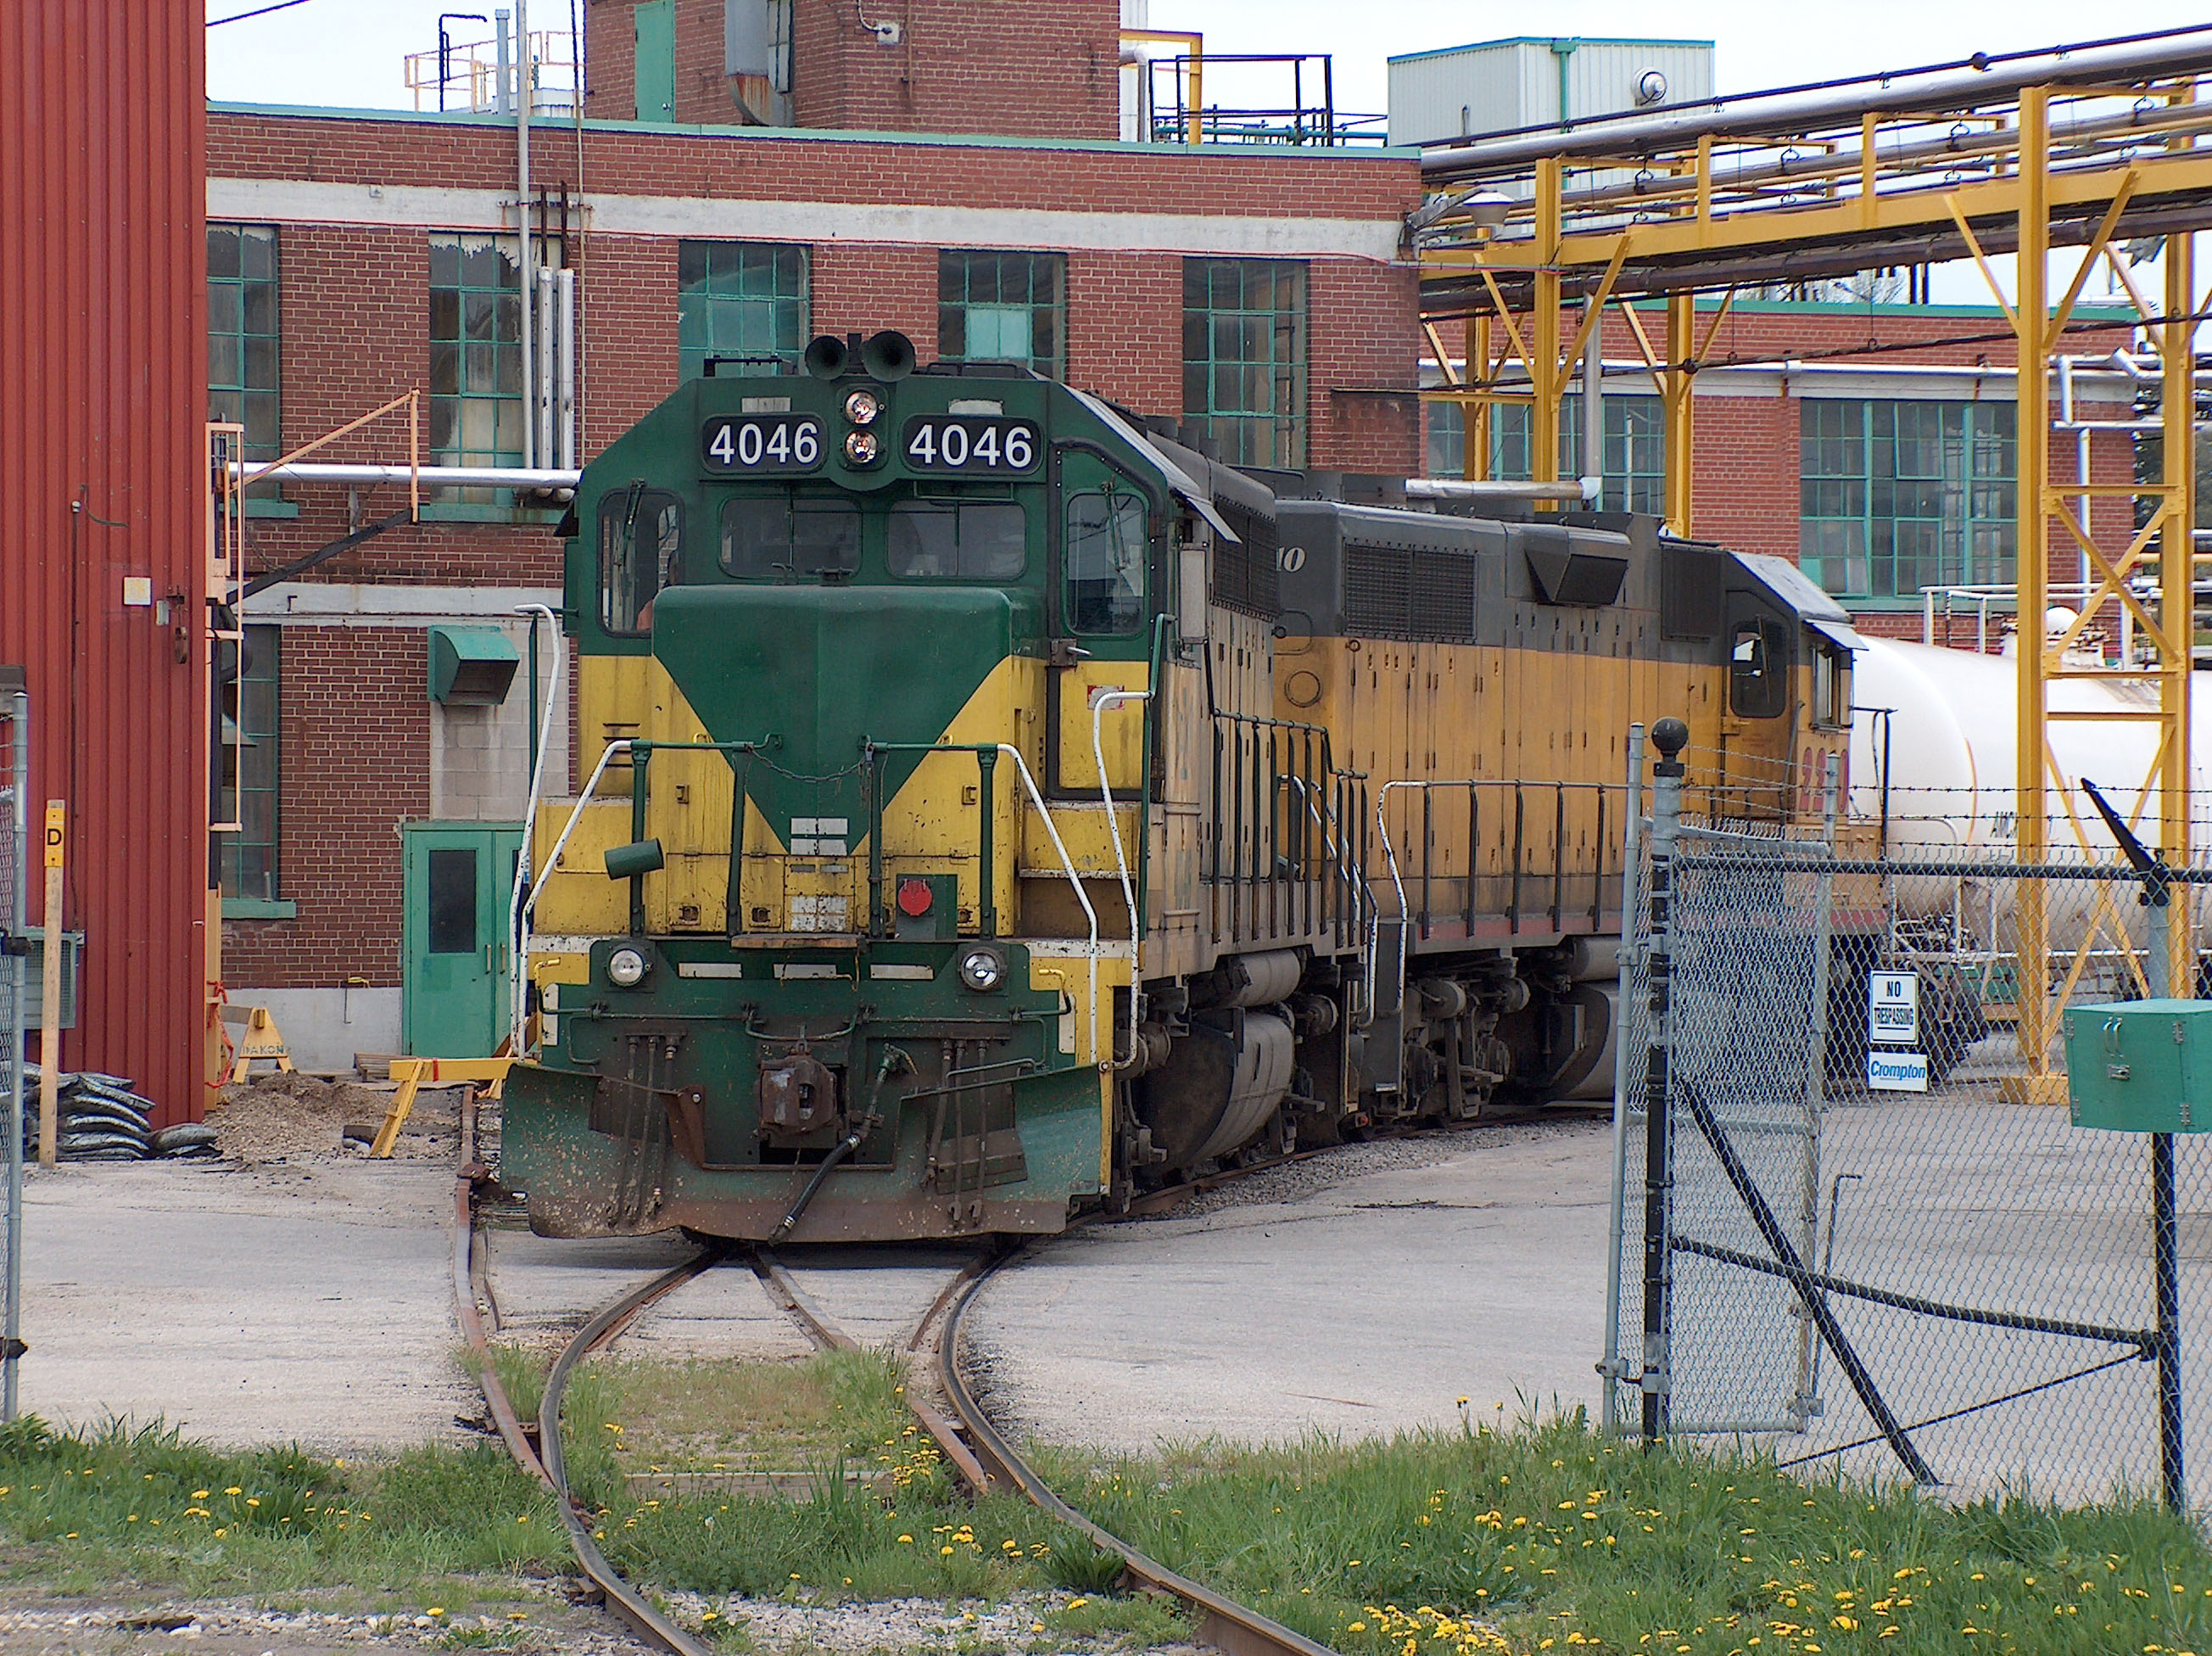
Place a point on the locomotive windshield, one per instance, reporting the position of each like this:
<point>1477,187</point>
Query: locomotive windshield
<point>959,540</point>
<point>641,551</point>
<point>789,536</point>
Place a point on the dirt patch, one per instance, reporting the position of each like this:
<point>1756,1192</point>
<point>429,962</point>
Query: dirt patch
<point>290,1116</point>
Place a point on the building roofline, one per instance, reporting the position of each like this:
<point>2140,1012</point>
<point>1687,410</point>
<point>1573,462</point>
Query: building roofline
<point>1546,40</point>
<point>823,135</point>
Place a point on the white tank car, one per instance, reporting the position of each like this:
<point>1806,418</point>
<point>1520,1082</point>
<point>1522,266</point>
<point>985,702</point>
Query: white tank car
<point>1952,767</point>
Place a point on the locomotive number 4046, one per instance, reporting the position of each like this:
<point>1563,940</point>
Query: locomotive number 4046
<point>761,443</point>
<point>970,444</point>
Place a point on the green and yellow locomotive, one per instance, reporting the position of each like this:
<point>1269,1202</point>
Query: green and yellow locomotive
<point>995,806</point>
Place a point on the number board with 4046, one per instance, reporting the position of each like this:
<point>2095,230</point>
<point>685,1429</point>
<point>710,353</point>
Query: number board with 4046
<point>760,443</point>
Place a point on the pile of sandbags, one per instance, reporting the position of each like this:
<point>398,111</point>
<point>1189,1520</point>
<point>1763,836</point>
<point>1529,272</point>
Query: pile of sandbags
<point>101,1119</point>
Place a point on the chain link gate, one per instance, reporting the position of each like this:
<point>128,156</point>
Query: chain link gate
<point>1860,1250</point>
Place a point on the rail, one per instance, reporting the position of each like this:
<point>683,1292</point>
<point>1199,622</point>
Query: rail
<point>1258,840</point>
<point>1518,877</point>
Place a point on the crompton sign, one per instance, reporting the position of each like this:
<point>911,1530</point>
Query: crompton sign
<point>1897,1072</point>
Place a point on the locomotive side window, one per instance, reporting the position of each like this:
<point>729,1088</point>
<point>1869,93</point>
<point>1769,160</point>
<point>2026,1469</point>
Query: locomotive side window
<point>789,538</point>
<point>641,551</point>
<point>1105,559</point>
<point>1759,670</point>
<point>970,541</point>
<point>1832,686</point>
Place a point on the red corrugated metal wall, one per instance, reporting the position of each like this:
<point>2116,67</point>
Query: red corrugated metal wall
<point>103,394</point>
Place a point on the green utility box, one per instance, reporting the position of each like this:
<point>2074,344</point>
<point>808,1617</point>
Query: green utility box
<point>2140,1066</point>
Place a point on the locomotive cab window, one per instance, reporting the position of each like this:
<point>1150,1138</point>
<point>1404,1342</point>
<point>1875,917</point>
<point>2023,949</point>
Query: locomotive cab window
<point>1759,670</point>
<point>963,540</point>
<point>1832,685</point>
<point>789,536</point>
<point>641,551</point>
<point>1105,559</point>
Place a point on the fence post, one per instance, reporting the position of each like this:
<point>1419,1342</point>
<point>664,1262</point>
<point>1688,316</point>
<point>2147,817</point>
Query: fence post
<point>1612,1367</point>
<point>1669,736</point>
<point>13,904</point>
<point>2165,1240</point>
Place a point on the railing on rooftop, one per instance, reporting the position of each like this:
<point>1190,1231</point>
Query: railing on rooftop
<point>1204,97</point>
<point>478,76</point>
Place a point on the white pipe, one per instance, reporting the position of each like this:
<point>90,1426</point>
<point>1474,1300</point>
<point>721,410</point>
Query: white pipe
<point>1465,489</point>
<point>2103,64</point>
<point>541,390</point>
<point>565,283</point>
<point>517,925</point>
<point>432,477</point>
<point>1075,880</point>
<point>527,269</point>
<point>1100,700</point>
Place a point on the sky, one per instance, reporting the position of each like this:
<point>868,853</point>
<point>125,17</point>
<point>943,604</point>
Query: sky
<point>350,53</point>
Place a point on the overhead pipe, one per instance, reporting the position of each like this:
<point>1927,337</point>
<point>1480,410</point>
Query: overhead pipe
<point>1492,492</point>
<point>429,476</point>
<point>1979,80</point>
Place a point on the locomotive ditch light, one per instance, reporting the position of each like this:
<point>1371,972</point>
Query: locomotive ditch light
<point>983,970</point>
<point>626,968</point>
<point>861,449</point>
<point>863,406</point>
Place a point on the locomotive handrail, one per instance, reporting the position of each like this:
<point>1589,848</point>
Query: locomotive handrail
<point>987,760</point>
<point>1314,763</point>
<point>517,926</point>
<point>1405,915</point>
<point>529,905</point>
<point>1100,700</point>
<point>641,751</point>
<point>981,749</point>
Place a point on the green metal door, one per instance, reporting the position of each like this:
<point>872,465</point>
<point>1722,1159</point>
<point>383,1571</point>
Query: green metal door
<point>458,953</point>
<point>655,63</point>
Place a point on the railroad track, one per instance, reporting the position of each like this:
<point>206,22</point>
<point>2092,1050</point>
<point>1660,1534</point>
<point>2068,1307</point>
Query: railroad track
<point>978,1452</point>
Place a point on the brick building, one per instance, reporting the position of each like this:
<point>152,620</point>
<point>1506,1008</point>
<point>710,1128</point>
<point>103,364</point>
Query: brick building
<point>744,174</point>
<point>991,212</point>
<point>1872,443</point>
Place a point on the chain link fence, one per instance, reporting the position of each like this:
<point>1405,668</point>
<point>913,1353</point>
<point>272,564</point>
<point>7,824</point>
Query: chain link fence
<point>1877,1241</point>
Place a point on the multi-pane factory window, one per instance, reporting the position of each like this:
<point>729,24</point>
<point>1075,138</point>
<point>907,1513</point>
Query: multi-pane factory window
<point>476,351</point>
<point>1245,357</point>
<point>1635,447</point>
<point>1898,496</point>
<point>242,334</point>
<point>739,299</point>
<point>1002,307</point>
<point>250,768</point>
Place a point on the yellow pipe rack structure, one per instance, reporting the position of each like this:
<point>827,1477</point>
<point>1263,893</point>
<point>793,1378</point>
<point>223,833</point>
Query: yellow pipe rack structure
<point>1526,238</point>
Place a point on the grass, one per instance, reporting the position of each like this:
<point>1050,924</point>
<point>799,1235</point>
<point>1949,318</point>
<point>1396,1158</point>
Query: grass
<point>1555,1538</point>
<point>144,1510</point>
<point>1546,1538</point>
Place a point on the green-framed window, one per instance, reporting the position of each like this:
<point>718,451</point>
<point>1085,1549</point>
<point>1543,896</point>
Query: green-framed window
<point>1635,447</point>
<point>476,351</point>
<point>243,336</point>
<point>739,299</point>
<point>251,771</point>
<point>1245,357</point>
<point>1003,308</point>
<point>1896,497</point>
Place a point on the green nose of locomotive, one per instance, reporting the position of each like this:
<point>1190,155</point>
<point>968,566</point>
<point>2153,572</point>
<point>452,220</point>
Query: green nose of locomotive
<point>815,1004</point>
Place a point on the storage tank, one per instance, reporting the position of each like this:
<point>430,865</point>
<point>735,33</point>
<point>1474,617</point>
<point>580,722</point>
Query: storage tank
<point>1952,768</point>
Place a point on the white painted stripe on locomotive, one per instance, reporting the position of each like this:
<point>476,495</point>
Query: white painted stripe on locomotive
<point>301,201</point>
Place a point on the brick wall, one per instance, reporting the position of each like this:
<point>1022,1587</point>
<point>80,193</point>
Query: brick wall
<point>609,60</point>
<point>355,728</point>
<point>1120,308</point>
<point>1361,358</point>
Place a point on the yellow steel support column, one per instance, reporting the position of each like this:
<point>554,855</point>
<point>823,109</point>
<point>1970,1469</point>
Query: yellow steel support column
<point>1544,329</point>
<point>1475,463</point>
<point>1677,387</point>
<point>2031,309</point>
<point>2177,599</point>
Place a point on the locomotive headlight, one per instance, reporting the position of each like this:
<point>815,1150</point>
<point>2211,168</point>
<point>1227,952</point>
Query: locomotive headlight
<point>861,447</point>
<point>626,968</point>
<point>863,407</point>
<point>983,970</point>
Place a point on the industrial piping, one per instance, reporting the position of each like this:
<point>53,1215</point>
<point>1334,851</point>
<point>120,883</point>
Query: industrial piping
<point>2100,63</point>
